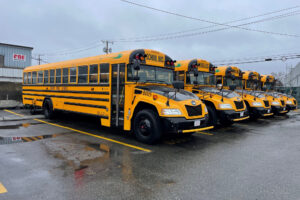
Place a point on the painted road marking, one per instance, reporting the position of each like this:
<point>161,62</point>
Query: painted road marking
<point>20,115</point>
<point>86,133</point>
<point>2,189</point>
<point>204,133</point>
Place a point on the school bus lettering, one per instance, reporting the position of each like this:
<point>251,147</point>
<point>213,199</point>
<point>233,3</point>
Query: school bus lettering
<point>147,93</point>
<point>155,58</point>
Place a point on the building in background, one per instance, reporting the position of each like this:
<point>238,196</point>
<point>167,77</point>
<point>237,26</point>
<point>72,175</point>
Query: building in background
<point>13,59</point>
<point>293,77</point>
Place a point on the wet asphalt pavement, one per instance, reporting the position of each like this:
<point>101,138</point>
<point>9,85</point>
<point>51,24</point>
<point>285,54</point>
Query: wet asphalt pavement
<point>249,160</point>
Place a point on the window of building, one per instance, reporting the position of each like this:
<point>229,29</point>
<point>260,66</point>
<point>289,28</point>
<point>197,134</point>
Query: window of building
<point>82,74</point>
<point>104,73</point>
<point>1,60</point>
<point>73,75</point>
<point>65,75</point>
<point>52,73</point>
<point>40,77</point>
<point>46,74</point>
<point>58,76</point>
<point>93,74</point>
<point>34,77</point>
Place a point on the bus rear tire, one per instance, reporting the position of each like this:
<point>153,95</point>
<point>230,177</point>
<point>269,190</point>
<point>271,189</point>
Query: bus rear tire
<point>48,109</point>
<point>147,126</point>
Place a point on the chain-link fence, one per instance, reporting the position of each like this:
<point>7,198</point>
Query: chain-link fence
<point>294,91</point>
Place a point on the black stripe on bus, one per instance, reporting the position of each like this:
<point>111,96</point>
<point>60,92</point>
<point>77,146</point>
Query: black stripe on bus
<point>75,84</point>
<point>66,91</point>
<point>28,98</point>
<point>39,99</point>
<point>85,105</point>
<point>88,114</point>
<point>68,97</point>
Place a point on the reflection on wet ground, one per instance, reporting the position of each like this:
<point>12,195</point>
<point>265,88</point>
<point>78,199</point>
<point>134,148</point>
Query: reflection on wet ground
<point>16,126</point>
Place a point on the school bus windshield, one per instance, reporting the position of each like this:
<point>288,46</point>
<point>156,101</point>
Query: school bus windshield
<point>252,84</point>
<point>233,81</point>
<point>269,85</point>
<point>203,78</point>
<point>151,74</point>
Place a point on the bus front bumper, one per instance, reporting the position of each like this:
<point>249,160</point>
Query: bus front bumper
<point>261,111</point>
<point>232,115</point>
<point>279,110</point>
<point>291,107</point>
<point>182,125</point>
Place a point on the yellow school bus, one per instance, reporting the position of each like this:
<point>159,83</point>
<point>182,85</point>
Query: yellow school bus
<point>133,90</point>
<point>224,106</point>
<point>244,84</point>
<point>281,103</point>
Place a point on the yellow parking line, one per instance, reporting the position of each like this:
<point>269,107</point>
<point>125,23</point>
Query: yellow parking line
<point>97,136</point>
<point>34,138</point>
<point>27,139</point>
<point>86,133</point>
<point>20,115</point>
<point>2,189</point>
<point>204,133</point>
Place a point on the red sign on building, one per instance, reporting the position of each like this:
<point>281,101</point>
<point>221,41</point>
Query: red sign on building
<point>19,57</point>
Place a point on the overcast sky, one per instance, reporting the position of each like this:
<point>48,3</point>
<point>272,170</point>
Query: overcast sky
<point>62,26</point>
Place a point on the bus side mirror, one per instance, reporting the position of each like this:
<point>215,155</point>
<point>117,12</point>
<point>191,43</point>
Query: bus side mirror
<point>195,82</point>
<point>219,86</point>
<point>136,78</point>
<point>195,72</point>
<point>232,87</point>
<point>178,85</point>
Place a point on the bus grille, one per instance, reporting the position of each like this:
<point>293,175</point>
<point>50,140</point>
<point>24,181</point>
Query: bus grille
<point>282,102</point>
<point>295,102</point>
<point>194,110</point>
<point>266,103</point>
<point>239,104</point>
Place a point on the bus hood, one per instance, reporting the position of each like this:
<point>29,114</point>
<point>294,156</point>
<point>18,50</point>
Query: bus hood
<point>171,93</point>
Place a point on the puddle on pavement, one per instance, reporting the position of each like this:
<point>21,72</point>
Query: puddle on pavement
<point>14,140</point>
<point>16,126</point>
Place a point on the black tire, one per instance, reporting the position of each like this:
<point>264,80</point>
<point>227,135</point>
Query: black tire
<point>147,126</point>
<point>32,110</point>
<point>212,116</point>
<point>48,109</point>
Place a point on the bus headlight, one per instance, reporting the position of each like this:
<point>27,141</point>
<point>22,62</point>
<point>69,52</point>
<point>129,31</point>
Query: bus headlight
<point>289,102</point>
<point>171,111</point>
<point>255,103</point>
<point>225,106</point>
<point>275,103</point>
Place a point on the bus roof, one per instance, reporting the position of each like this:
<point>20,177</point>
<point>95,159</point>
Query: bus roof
<point>153,57</point>
<point>186,65</point>
<point>267,78</point>
<point>253,75</point>
<point>228,70</point>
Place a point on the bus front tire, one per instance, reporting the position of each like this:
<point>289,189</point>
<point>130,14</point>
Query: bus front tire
<point>212,116</point>
<point>147,126</point>
<point>48,109</point>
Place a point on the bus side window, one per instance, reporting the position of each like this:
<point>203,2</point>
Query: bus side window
<point>46,74</point>
<point>58,76</point>
<point>24,78</point>
<point>82,74</point>
<point>181,76</point>
<point>65,75</point>
<point>29,78</point>
<point>72,75</point>
<point>104,73</point>
<point>33,77</point>
<point>40,77</point>
<point>93,74</point>
<point>52,72</point>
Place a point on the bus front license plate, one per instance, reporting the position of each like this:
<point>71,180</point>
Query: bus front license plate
<point>241,114</point>
<point>197,123</point>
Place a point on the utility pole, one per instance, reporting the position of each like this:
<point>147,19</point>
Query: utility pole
<point>106,49</point>
<point>39,59</point>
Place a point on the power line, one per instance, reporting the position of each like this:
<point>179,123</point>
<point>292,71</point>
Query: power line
<point>208,21</point>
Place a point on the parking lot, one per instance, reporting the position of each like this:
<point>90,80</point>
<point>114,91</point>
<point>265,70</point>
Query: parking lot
<point>71,157</point>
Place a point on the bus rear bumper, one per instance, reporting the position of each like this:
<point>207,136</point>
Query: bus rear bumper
<point>182,125</point>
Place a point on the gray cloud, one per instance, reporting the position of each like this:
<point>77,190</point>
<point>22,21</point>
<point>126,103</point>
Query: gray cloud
<point>49,26</point>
